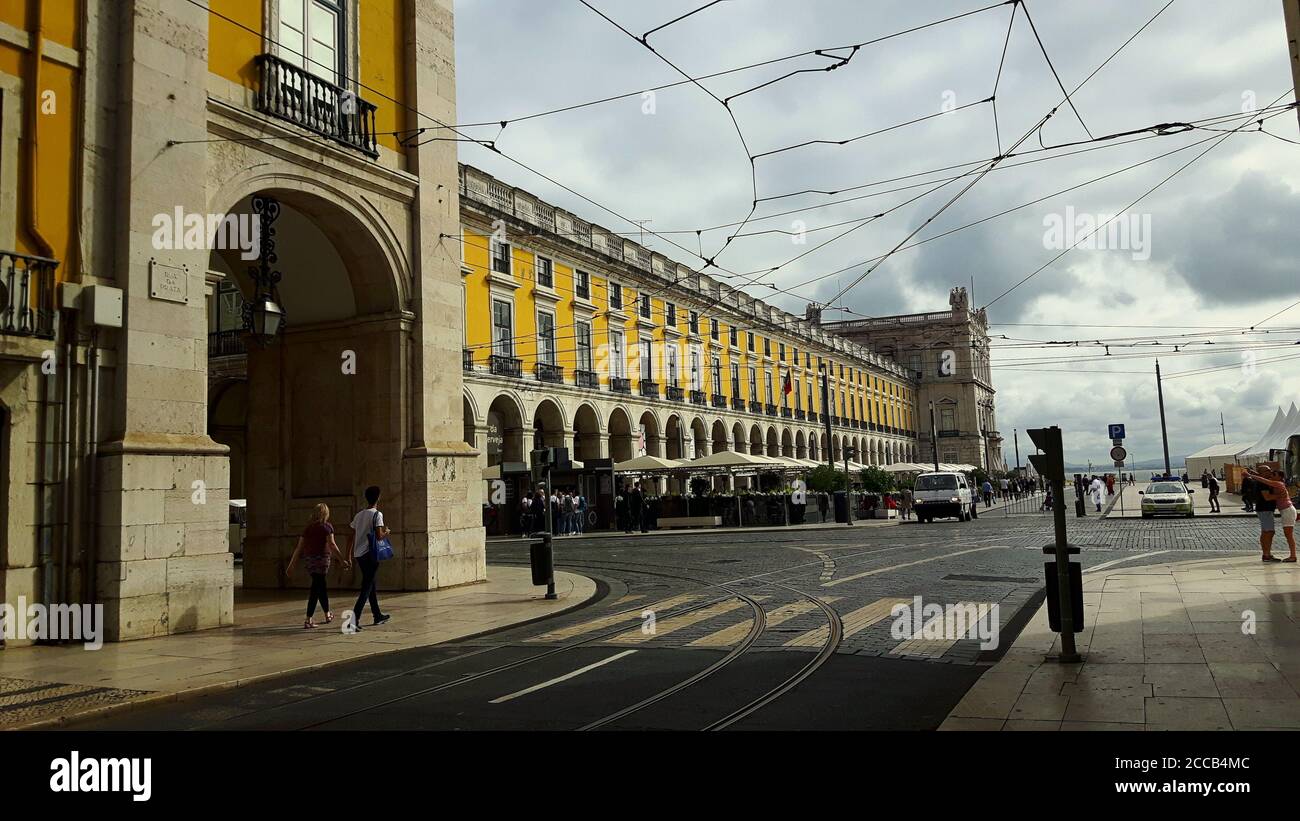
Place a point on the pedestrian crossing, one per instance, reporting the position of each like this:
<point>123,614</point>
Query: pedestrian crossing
<point>947,625</point>
<point>639,635</point>
<point>855,622</point>
<point>728,636</point>
<point>726,623</point>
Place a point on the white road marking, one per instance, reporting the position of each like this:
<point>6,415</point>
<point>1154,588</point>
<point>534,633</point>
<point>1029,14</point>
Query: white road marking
<point>867,573</point>
<point>1105,565</point>
<point>564,677</point>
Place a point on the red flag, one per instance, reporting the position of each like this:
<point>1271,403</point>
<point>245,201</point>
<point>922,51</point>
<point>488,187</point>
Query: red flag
<point>787,387</point>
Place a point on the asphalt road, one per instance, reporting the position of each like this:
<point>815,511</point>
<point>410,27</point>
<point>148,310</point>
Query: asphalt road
<point>759,630</point>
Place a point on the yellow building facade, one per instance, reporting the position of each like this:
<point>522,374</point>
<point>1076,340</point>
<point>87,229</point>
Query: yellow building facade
<point>580,337</point>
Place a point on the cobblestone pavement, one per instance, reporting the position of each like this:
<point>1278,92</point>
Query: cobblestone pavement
<point>722,630</point>
<point>995,559</point>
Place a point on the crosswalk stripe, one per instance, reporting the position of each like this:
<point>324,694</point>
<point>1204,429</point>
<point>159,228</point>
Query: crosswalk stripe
<point>920,647</point>
<point>663,628</point>
<point>854,622</point>
<point>728,636</point>
<point>867,573</point>
<point>611,620</point>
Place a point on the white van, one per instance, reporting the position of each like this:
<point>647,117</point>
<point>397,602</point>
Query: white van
<point>943,494</point>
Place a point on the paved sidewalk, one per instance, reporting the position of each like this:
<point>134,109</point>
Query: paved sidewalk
<point>1163,648</point>
<point>46,685</point>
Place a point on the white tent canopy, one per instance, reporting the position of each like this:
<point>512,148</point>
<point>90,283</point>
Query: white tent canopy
<point>734,459</point>
<point>906,467</point>
<point>1214,458</point>
<point>642,464</point>
<point>1284,426</point>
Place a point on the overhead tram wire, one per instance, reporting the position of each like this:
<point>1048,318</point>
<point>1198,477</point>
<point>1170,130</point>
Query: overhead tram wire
<point>1217,141</point>
<point>821,52</point>
<point>984,172</point>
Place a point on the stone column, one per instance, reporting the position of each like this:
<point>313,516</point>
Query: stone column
<point>162,563</point>
<point>441,477</point>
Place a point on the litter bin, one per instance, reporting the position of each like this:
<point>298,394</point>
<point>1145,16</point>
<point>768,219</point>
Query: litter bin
<point>841,507</point>
<point>542,559</point>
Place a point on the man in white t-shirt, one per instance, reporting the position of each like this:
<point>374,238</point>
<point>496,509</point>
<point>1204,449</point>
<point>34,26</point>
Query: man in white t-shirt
<point>367,520</point>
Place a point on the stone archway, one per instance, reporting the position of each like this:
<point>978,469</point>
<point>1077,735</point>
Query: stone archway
<point>318,433</point>
<point>787,443</point>
<point>699,439</point>
<point>548,426</point>
<point>773,443</point>
<point>800,445</point>
<point>505,431</point>
<point>738,438</point>
<point>756,441</point>
<point>720,442</point>
<point>586,433</point>
<point>648,426</point>
<point>622,444</point>
<point>674,438</point>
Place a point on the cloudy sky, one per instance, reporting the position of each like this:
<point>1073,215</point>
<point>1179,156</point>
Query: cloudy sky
<point>1208,254</point>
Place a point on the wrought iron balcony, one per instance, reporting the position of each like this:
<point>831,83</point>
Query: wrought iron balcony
<point>800,414</point>
<point>466,359</point>
<point>717,400</point>
<point>505,365</point>
<point>755,406</point>
<point>649,387</point>
<point>769,409</point>
<point>787,413</point>
<point>294,94</point>
<point>620,384</point>
<point>737,403</point>
<point>547,372</point>
<point>812,416</point>
<point>26,295</point>
<point>586,379</point>
<point>227,343</point>
<point>699,398</point>
<point>675,393</point>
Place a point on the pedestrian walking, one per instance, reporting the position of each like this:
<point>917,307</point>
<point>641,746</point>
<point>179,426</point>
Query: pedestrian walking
<point>582,513</point>
<point>1098,491</point>
<point>539,511</point>
<point>315,545</point>
<point>636,508</point>
<point>987,490</point>
<point>526,514</point>
<point>905,497</point>
<point>1214,494</point>
<point>1273,494</point>
<point>367,527</point>
<point>622,510</point>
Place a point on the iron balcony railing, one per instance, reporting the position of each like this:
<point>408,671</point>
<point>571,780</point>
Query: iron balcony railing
<point>26,295</point>
<point>620,384</point>
<point>466,359</point>
<point>737,403</point>
<point>812,416</point>
<point>787,413</point>
<point>675,393</point>
<point>505,365</point>
<point>717,400</point>
<point>755,406</point>
<point>546,372</point>
<point>770,410</point>
<point>649,387</point>
<point>699,398</point>
<point>229,342</point>
<point>291,93</point>
<point>586,379</point>
<point>800,415</point>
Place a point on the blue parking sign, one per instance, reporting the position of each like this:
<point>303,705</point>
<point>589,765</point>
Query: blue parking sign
<point>1116,431</point>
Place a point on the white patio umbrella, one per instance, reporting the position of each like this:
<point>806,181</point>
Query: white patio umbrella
<point>643,464</point>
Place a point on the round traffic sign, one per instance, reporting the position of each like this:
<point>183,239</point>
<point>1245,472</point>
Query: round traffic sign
<point>1118,453</point>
